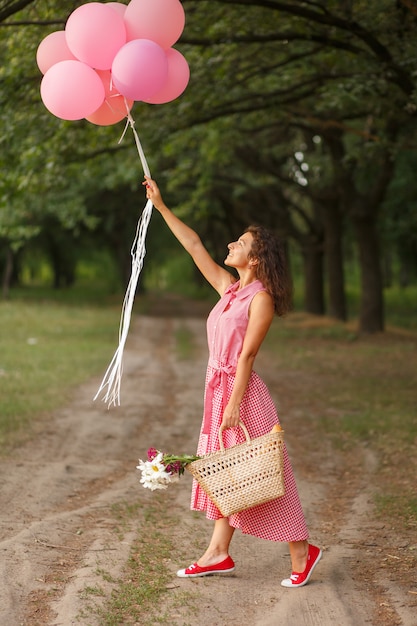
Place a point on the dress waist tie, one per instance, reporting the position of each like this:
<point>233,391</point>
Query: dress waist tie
<point>219,377</point>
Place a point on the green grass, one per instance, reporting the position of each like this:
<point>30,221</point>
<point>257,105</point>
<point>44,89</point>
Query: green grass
<point>184,342</point>
<point>140,594</point>
<point>46,349</point>
<point>394,505</point>
<point>352,390</point>
<point>83,294</point>
<point>401,307</point>
<point>356,390</point>
<point>400,303</point>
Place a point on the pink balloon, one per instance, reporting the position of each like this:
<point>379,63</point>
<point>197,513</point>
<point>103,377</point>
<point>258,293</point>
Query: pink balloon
<point>160,20</point>
<point>53,49</point>
<point>72,90</point>
<point>114,107</point>
<point>140,69</point>
<point>117,6</point>
<point>95,32</point>
<point>177,80</point>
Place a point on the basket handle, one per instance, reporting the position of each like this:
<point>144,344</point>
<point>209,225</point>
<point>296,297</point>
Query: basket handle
<point>242,426</point>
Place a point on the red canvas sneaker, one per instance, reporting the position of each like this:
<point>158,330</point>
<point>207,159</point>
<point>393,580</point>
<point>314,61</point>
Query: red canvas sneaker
<point>298,579</point>
<point>194,570</point>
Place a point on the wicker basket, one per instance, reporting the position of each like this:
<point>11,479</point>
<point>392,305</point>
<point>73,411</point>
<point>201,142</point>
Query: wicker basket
<point>245,475</point>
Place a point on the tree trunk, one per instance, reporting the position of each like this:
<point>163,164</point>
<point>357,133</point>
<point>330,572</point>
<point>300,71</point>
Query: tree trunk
<point>371,315</point>
<point>333,237</point>
<point>313,276</point>
<point>363,207</point>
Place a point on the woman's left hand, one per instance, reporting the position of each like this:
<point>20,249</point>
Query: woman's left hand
<point>231,416</point>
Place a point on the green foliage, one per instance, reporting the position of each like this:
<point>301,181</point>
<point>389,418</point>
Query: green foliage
<point>48,164</point>
<point>175,275</point>
<point>399,226</point>
<point>333,83</point>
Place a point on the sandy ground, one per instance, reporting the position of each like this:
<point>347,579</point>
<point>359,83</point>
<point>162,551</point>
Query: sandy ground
<point>57,491</point>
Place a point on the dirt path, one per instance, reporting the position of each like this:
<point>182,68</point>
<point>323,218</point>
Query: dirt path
<point>56,531</point>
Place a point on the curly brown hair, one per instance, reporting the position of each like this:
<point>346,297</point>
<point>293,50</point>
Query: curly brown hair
<point>272,268</point>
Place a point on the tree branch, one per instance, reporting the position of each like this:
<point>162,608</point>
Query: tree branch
<point>271,38</point>
<point>400,77</point>
<point>10,7</point>
<point>32,23</point>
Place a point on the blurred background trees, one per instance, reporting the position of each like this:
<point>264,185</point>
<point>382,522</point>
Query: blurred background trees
<point>298,115</point>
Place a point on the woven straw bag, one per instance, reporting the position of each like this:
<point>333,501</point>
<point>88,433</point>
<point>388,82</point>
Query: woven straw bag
<point>245,475</point>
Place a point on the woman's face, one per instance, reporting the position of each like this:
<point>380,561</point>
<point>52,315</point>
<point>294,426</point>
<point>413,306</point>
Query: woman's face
<point>239,251</point>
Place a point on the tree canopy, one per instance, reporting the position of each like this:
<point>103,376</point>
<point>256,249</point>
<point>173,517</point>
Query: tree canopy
<point>298,114</point>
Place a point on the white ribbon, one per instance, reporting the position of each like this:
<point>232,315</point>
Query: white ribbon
<point>113,376</point>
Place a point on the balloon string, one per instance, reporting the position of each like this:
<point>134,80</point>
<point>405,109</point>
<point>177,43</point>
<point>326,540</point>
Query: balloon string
<point>113,376</point>
<point>141,153</point>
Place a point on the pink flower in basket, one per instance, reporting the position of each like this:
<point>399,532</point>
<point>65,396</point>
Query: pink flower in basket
<point>162,469</point>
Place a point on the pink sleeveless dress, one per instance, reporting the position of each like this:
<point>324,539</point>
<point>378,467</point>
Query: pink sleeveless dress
<point>281,519</point>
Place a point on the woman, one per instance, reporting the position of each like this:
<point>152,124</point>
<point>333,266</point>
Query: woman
<point>236,328</point>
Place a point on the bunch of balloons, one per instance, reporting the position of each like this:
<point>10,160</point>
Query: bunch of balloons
<point>110,55</point>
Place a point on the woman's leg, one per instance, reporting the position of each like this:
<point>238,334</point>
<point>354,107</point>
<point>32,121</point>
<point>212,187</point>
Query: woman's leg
<point>218,548</point>
<point>298,553</point>
<point>304,558</point>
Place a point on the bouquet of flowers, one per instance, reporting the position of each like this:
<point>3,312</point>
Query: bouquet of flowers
<point>162,469</point>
